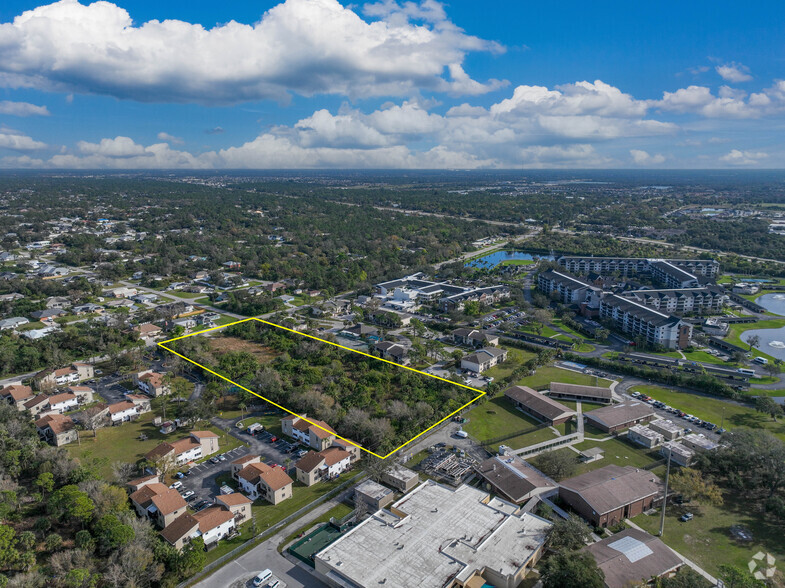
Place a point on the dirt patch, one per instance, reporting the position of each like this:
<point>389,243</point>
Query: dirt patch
<point>221,345</point>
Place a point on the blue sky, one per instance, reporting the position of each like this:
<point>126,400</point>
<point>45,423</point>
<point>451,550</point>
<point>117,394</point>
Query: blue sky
<point>319,83</point>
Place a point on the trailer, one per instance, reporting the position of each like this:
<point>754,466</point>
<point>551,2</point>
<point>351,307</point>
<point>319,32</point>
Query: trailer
<point>254,428</point>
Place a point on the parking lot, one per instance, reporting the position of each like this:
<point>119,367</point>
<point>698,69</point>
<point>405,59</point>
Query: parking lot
<point>694,425</point>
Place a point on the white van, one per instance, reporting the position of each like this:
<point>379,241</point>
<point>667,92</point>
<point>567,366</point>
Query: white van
<point>761,360</point>
<point>262,577</point>
<point>462,434</point>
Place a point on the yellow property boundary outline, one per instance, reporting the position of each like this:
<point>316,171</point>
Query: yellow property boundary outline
<point>480,394</point>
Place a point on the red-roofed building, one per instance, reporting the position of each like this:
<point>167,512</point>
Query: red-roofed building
<point>73,374</point>
<point>16,395</point>
<point>123,411</point>
<point>56,429</point>
<point>197,445</point>
<point>151,383</point>
<point>158,503</point>
<point>314,466</point>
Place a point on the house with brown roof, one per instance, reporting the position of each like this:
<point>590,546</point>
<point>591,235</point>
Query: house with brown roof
<point>73,374</point>
<point>538,405</point>
<point>353,450</point>
<point>148,333</point>
<point>483,359</point>
<point>197,445</point>
<point>618,417</point>
<point>513,478</point>
<point>142,402</point>
<point>57,429</point>
<point>151,383</point>
<point>139,483</point>
<point>158,503</point>
<point>259,480</point>
<point>580,393</point>
<point>62,402</point>
<point>16,395</point>
<point>123,411</point>
<point>312,432</point>
<point>215,523</point>
<point>180,532</point>
<point>239,463</point>
<point>632,557</point>
<point>238,503</point>
<point>474,338</point>
<point>316,466</point>
<point>37,404</point>
<point>608,495</point>
<point>84,394</point>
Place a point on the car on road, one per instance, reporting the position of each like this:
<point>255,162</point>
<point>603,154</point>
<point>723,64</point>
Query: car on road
<point>273,439</point>
<point>214,460</point>
<point>179,475</point>
<point>188,494</point>
<point>176,485</point>
<point>687,516</point>
<point>222,457</point>
<point>635,394</point>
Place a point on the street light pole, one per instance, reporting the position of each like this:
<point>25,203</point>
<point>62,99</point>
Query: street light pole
<point>665,497</point>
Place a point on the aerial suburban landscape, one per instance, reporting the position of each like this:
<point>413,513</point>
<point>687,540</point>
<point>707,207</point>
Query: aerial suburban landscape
<point>438,391</point>
<point>392,294</point>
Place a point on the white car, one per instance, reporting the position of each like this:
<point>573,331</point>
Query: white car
<point>176,485</point>
<point>189,494</point>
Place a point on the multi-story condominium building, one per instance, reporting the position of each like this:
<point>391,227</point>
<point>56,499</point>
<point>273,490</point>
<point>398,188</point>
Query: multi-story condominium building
<point>671,275</point>
<point>681,300</point>
<point>76,372</point>
<point>628,266</point>
<point>637,320</point>
<point>571,290</point>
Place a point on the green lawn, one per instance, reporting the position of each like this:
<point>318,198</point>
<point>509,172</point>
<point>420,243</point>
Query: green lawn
<point>735,332</point>
<point>499,417</point>
<point>547,374</point>
<point>31,326</point>
<point>225,320</point>
<point>122,443</point>
<point>517,262</point>
<point>515,359</point>
<point>712,409</point>
<point>559,323</point>
<point>706,539</point>
<point>546,331</point>
<point>188,295</point>
<point>618,451</point>
<point>703,357</point>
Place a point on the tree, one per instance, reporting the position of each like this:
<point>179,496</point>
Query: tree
<point>767,405</point>
<point>84,540</point>
<point>568,534</point>
<point>70,502</point>
<point>753,341</point>
<point>8,553</point>
<point>750,459</point>
<point>697,486</point>
<point>26,540</point>
<point>45,482</point>
<point>112,534</point>
<point>571,570</point>
<point>734,577</point>
<point>556,464</point>
<point>53,542</point>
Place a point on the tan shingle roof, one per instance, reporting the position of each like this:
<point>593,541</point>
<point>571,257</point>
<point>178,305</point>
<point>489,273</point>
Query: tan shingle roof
<point>17,392</point>
<point>613,487</point>
<point>204,434</point>
<point>59,423</point>
<point>234,499</point>
<point>121,406</point>
<point>210,518</point>
<point>310,461</point>
<point>64,397</point>
<point>169,501</point>
<point>333,455</point>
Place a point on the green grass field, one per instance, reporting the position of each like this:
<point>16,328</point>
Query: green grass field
<point>499,417</point>
<point>547,374</point>
<point>515,359</point>
<point>712,409</point>
<point>706,539</point>
<point>546,331</point>
<point>618,451</point>
<point>122,443</point>
<point>704,357</point>
<point>187,295</point>
<point>31,326</point>
<point>518,262</point>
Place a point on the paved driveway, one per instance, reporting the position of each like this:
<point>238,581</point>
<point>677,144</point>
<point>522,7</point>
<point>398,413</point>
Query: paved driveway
<point>202,479</point>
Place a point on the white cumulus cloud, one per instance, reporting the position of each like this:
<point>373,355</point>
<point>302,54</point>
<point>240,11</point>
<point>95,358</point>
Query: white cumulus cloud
<point>162,136</point>
<point>739,157</point>
<point>734,72</point>
<point>640,157</point>
<point>303,46</point>
<point>16,141</point>
<point>22,109</point>
<point>728,103</point>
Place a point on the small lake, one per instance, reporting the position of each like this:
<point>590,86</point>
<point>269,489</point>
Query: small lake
<point>493,259</point>
<point>773,302</point>
<point>772,341</point>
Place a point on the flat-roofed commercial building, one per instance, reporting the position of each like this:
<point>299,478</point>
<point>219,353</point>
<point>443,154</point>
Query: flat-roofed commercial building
<point>436,537</point>
<point>644,436</point>
<point>680,454</point>
<point>618,417</point>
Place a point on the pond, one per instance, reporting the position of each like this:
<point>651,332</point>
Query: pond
<point>493,259</point>
<point>772,341</point>
<point>773,302</point>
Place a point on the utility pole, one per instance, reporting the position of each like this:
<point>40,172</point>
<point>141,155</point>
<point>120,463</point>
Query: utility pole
<point>665,498</point>
<point>722,422</point>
